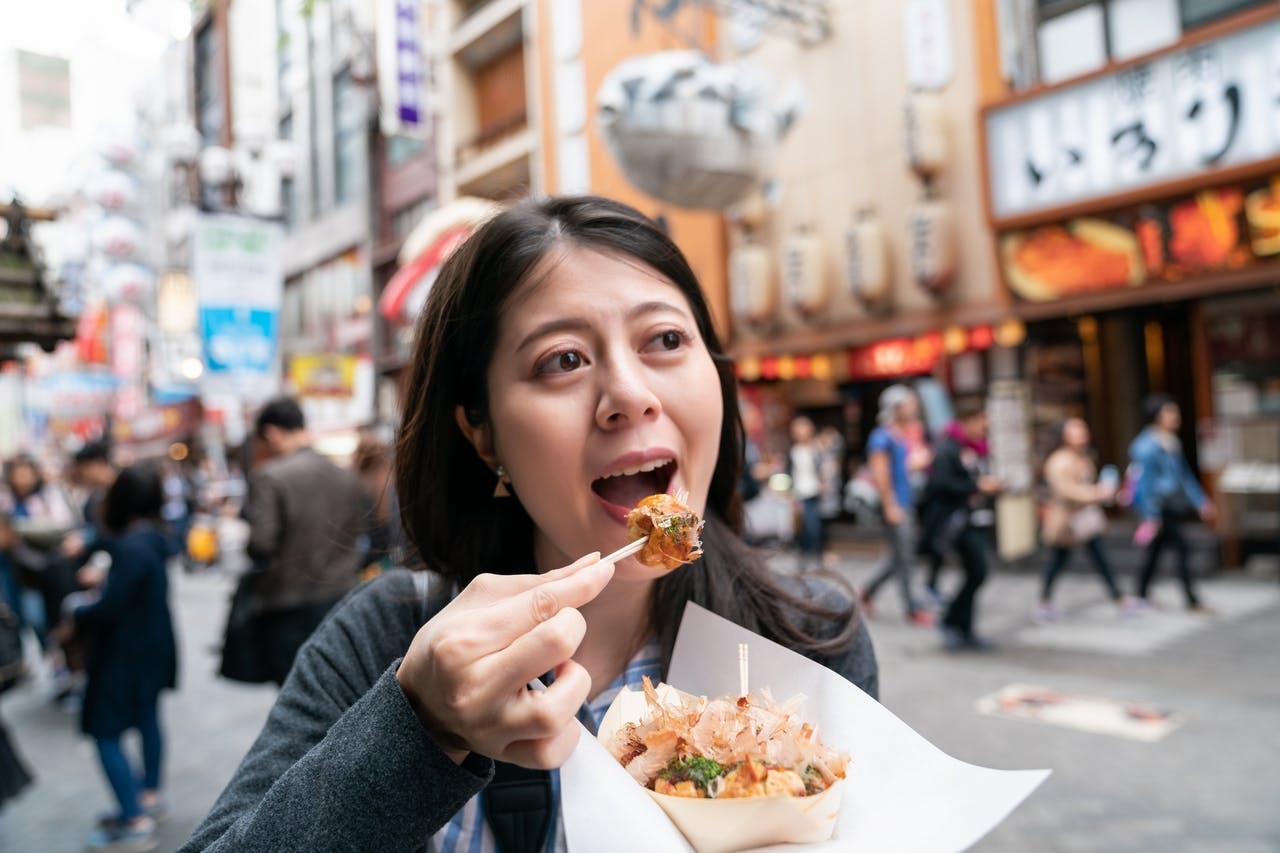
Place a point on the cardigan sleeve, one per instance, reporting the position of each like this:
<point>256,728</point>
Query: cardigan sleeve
<point>343,762</point>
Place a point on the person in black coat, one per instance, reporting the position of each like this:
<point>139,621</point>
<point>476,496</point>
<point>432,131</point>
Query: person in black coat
<point>131,654</point>
<point>954,508</point>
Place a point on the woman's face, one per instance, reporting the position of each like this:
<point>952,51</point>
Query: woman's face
<point>601,392</point>
<point>1075,433</point>
<point>1170,417</point>
<point>23,479</point>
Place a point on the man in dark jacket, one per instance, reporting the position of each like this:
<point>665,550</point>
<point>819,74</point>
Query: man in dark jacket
<point>952,508</point>
<point>305,516</point>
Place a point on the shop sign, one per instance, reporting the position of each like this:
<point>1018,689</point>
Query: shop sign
<point>1212,105</point>
<point>893,358</point>
<point>75,394</point>
<point>401,75</point>
<point>323,375</point>
<point>239,288</point>
<point>170,422</point>
<point>1220,229</point>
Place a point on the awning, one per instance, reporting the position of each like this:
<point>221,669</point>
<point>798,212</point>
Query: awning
<point>426,248</point>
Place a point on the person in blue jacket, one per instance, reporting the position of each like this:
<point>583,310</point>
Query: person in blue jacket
<point>1166,494</point>
<point>130,656</point>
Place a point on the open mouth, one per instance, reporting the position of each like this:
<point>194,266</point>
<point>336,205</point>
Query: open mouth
<point>625,488</point>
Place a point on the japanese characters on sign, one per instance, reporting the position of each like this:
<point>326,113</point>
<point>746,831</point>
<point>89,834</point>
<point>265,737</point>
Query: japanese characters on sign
<point>1212,105</point>
<point>401,69</point>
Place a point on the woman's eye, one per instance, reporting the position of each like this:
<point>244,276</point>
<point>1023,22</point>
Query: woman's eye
<point>671,339</point>
<point>562,362</point>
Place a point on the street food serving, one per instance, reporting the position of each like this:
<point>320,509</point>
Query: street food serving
<point>724,748</point>
<point>670,529</point>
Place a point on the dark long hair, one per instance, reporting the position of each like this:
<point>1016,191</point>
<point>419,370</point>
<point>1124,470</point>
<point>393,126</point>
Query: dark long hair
<point>446,490</point>
<point>137,494</point>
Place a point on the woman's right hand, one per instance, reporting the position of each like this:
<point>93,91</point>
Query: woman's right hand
<point>466,671</point>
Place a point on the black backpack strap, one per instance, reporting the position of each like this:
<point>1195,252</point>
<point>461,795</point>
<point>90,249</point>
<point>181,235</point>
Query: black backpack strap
<point>517,807</point>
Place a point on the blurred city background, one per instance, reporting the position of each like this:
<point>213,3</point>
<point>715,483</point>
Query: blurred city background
<point>1064,206</point>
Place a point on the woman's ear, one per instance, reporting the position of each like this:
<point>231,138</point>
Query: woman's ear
<point>480,436</point>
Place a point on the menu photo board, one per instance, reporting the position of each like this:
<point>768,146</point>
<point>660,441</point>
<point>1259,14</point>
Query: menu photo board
<point>1225,228</point>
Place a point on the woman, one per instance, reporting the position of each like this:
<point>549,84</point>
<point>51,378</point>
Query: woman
<point>955,512</point>
<point>565,350</point>
<point>804,465</point>
<point>1074,516</point>
<point>887,457</point>
<point>130,654</point>
<point>1166,495</point>
<point>41,515</point>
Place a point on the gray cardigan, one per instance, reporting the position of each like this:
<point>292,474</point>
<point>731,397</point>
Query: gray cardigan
<point>343,763</point>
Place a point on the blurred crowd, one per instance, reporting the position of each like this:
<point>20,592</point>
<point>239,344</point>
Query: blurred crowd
<point>86,551</point>
<point>932,497</point>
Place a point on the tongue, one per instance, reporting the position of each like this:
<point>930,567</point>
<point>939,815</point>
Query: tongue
<point>627,491</point>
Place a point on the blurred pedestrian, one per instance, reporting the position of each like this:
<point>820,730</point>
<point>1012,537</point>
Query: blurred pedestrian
<point>887,458</point>
<point>305,515</point>
<point>1074,515</point>
<point>42,516</point>
<point>955,514</point>
<point>806,489</point>
<point>14,775</point>
<point>130,656</point>
<point>92,471</point>
<point>1166,495</point>
<point>383,541</point>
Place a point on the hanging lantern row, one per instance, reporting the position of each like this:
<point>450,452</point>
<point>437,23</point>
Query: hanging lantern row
<point>798,284</point>
<point>884,359</point>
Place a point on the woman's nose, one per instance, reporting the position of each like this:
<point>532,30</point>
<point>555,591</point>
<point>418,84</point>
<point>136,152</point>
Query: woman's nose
<point>627,394</point>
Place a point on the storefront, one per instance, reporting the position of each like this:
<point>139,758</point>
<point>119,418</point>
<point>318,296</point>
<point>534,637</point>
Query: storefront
<point>1138,218</point>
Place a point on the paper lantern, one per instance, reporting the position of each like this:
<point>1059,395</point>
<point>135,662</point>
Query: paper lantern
<point>955,340</point>
<point>866,262</point>
<point>926,122</point>
<point>931,241</point>
<point>804,280</point>
<point>753,287</point>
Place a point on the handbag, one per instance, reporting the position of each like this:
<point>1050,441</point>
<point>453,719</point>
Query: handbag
<point>1087,524</point>
<point>243,655</point>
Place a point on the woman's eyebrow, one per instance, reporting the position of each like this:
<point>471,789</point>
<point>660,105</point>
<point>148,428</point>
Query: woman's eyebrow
<point>579,324</point>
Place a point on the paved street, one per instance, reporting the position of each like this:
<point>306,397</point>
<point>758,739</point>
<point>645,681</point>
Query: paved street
<point>1210,785</point>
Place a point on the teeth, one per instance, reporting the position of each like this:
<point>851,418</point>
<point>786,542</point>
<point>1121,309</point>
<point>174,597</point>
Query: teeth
<point>652,465</point>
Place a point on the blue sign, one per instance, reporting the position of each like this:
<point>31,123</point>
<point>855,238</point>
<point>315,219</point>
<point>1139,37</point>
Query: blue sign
<point>239,340</point>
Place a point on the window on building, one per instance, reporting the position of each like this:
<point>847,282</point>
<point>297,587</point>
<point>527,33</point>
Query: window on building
<point>284,55</point>
<point>349,162</point>
<point>313,118</point>
<point>1197,12</point>
<point>210,116</point>
<point>210,99</point>
<point>288,185</point>
<point>1074,37</point>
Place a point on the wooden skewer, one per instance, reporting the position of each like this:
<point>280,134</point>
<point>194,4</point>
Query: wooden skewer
<point>743,686</point>
<point>626,550</point>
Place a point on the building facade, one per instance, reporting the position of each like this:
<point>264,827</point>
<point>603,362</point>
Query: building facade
<point>1132,163</point>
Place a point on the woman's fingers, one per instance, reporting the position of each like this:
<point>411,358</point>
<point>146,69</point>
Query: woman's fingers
<point>547,753</point>
<point>541,650</point>
<point>511,617</point>
<point>538,714</point>
<point>487,588</point>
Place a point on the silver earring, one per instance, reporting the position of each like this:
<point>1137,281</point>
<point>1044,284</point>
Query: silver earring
<point>501,490</point>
